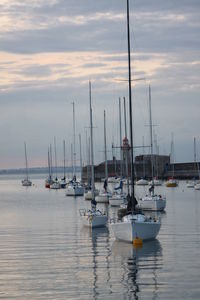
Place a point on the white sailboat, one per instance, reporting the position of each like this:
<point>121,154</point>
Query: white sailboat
<point>74,188</point>
<point>92,217</point>
<point>193,183</point>
<point>152,201</point>
<point>134,225</point>
<point>56,184</point>
<point>49,179</point>
<point>104,195</point>
<point>119,196</point>
<point>142,181</point>
<point>26,181</point>
<point>63,182</point>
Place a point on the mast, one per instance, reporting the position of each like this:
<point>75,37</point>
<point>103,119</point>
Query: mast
<point>74,141</point>
<point>195,157</point>
<point>55,157</point>
<point>51,162</point>
<point>49,168</point>
<point>172,153</point>
<point>91,142</point>
<point>72,164</point>
<point>125,128</point>
<point>120,137</point>
<point>26,161</point>
<point>195,152</point>
<point>64,158</point>
<point>151,139</point>
<point>130,106</point>
<point>80,155</point>
<point>105,147</point>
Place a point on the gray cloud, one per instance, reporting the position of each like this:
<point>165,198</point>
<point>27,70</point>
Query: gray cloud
<point>36,97</point>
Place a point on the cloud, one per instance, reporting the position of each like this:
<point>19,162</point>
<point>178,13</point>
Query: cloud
<point>50,49</point>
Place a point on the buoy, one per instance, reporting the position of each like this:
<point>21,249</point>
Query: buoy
<point>137,242</point>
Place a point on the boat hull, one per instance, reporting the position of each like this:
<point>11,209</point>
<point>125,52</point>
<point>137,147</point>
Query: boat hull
<point>88,194</point>
<point>152,203</point>
<point>142,182</point>
<point>116,200</point>
<point>128,231</point>
<point>102,198</point>
<point>55,186</point>
<point>197,186</point>
<point>75,191</point>
<point>93,219</point>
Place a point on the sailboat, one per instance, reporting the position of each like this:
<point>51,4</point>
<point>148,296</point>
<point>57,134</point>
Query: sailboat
<point>63,182</point>
<point>74,188</point>
<point>152,201</point>
<point>92,217</point>
<point>56,184</point>
<point>104,195</point>
<point>193,183</point>
<point>26,181</point>
<point>133,225</point>
<point>49,181</point>
<point>119,196</point>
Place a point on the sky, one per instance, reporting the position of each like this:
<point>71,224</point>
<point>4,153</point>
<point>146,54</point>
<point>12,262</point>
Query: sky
<point>51,49</point>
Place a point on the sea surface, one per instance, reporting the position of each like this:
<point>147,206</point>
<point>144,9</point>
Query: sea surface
<point>45,253</point>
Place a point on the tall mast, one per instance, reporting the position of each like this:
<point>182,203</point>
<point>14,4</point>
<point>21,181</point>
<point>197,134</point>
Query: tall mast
<point>55,156</point>
<point>26,161</point>
<point>72,164</point>
<point>80,155</point>
<point>172,153</point>
<point>120,137</point>
<point>105,147</point>
<point>130,103</point>
<point>126,153</point>
<point>91,141</point>
<point>64,157</point>
<point>151,137</point>
<point>50,160</point>
<point>195,152</point>
<point>49,163</point>
<point>74,141</point>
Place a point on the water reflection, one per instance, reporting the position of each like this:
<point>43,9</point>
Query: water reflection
<point>96,235</point>
<point>139,267</point>
<point>99,252</point>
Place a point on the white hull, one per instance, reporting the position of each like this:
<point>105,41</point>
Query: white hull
<point>88,194</point>
<point>154,203</point>
<point>190,185</point>
<point>156,182</point>
<point>103,198</point>
<point>197,186</point>
<point>116,200</point>
<point>74,190</point>
<point>55,186</point>
<point>93,219</point>
<point>142,182</point>
<point>128,231</point>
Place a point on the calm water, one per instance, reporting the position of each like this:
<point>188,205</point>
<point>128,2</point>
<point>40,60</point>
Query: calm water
<point>46,254</point>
